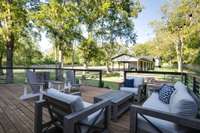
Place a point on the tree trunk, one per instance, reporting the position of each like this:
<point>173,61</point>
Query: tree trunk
<point>59,71</point>
<point>179,51</point>
<point>1,63</point>
<point>9,63</point>
<point>73,55</point>
<point>108,70</point>
<point>85,65</point>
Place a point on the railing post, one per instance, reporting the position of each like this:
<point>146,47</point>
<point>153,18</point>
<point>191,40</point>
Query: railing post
<point>100,79</point>
<point>182,77</point>
<point>125,75</point>
<point>74,74</point>
<point>186,79</point>
<point>194,85</point>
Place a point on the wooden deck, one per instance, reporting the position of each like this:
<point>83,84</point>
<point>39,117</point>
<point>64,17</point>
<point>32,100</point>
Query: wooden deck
<point>18,116</point>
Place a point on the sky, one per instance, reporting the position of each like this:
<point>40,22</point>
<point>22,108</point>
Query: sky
<point>151,11</point>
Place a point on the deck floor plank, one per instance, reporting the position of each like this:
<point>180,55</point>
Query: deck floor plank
<point>17,116</point>
<point>22,122</point>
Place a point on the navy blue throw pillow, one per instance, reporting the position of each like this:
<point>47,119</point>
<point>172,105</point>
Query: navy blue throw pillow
<point>165,93</point>
<point>129,83</point>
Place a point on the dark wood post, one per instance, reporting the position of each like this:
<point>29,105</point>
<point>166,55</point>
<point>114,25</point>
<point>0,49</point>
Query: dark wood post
<point>133,120</point>
<point>74,74</point>
<point>186,79</point>
<point>125,75</point>
<point>68,125</point>
<point>100,79</point>
<point>194,85</point>
<point>182,79</point>
<point>38,117</point>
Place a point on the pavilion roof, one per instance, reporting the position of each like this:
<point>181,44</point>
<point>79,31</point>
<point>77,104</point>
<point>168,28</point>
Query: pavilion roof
<point>129,58</point>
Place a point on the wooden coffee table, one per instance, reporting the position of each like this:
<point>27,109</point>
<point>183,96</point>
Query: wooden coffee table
<point>120,102</point>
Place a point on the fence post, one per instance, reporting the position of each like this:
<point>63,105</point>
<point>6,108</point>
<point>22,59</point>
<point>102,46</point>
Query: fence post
<point>100,79</point>
<point>124,75</point>
<point>186,79</point>
<point>194,85</point>
<point>74,74</point>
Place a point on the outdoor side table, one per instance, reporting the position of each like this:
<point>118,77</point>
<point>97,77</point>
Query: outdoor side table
<point>57,85</point>
<point>120,101</point>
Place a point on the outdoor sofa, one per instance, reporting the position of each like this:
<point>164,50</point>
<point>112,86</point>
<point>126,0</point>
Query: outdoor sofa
<point>71,114</point>
<point>136,86</point>
<point>179,116</point>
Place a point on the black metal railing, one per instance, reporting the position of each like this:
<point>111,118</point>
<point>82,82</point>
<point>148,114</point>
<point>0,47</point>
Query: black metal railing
<point>191,80</point>
<point>96,75</point>
<point>53,71</point>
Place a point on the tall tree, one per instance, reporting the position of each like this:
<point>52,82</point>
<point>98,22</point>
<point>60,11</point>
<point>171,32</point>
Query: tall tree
<point>182,20</point>
<point>13,20</point>
<point>59,19</point>
<point>89,51</point>
<point>110,21</point>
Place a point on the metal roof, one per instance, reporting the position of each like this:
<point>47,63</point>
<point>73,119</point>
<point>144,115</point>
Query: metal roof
<point>128,58</point>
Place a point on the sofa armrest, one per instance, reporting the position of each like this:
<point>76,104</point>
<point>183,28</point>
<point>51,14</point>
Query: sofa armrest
<point>186,122</point>
<point>76,93</point>
<point>38,117</point>
<point>71,119</point>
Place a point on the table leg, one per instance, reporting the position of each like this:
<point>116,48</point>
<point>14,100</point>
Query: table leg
<point>115,112</point>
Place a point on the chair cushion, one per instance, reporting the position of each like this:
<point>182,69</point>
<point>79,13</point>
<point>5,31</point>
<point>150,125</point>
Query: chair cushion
<point>137,80</point>
<point>163,125</point>
<point>182,103</point>
<point>75,101</point>
<point>129,83</point>
<point>91,118</point>
<point>153,102</point>
<point>130,89</point>
<point>165,93</point>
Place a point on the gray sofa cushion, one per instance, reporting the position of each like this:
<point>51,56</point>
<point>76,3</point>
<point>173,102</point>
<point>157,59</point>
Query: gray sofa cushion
<point>163,125</point>
<point>182,103</point>
<point>137,81</point>
<point>153,102</point>
<point>91,118</point>
<point>130,89</point>
<point>75,101</point>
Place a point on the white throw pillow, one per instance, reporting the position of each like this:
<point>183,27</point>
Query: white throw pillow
<point>138,81</point>
<point>180,86</point>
